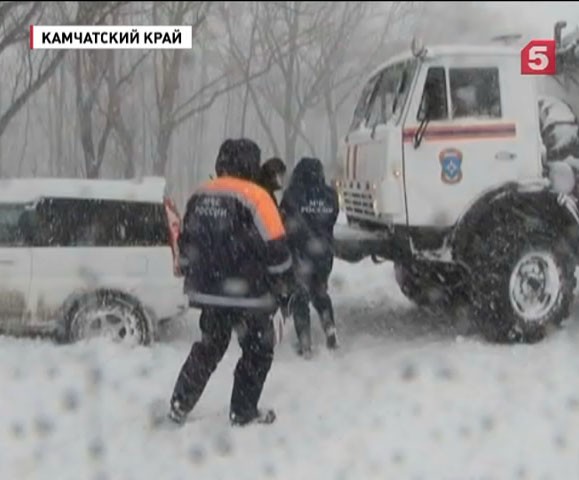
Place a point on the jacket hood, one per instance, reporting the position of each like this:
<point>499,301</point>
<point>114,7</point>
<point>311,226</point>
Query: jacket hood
<point>308,171</point>
<point>238,158</point>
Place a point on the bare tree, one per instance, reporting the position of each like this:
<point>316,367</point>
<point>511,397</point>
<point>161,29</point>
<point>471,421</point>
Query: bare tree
<point>123,130</point>
<point>25,142</point>
<point>35,67</point>
<point>309,42</point>
<point>89,73</point>
<point>99,82</point>
<point>100,78</point>
<point>56,115</point>
<point>245,54</point>
<point>167,70</point>
<point>365,35</point>
<point>176,105</point>
<point>284,29</point>
<point>119,77</point>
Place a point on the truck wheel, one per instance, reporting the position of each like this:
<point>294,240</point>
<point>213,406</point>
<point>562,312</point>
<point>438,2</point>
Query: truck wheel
<point>430,287</point>
<point>523,287</point>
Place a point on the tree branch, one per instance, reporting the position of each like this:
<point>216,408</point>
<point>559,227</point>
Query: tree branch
<point>24,96</point>
<point>264,123</point>
<point>127,76</point>
<point>181,118</point>
<point>17,32</point>
<point>101,147</point>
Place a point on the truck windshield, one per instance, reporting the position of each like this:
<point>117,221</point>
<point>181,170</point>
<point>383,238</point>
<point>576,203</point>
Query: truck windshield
<point>384,96</point>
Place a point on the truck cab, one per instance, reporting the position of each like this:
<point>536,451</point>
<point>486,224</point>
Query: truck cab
<point>445,174</point>
<point>430,133</point>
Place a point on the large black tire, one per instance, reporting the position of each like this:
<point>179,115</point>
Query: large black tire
<point>515,268</point>
<point>431,286</point>
<point>108,314</point>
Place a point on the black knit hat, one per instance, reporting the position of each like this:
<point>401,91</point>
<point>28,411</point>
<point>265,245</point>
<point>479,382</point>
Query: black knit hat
<point>238,158</point>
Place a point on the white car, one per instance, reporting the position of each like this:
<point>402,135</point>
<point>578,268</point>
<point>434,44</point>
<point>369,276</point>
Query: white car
<point>82,258</point>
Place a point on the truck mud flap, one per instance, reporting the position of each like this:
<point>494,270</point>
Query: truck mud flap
<point>353,245</point>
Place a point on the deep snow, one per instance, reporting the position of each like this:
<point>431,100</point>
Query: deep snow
<point>407,397</point>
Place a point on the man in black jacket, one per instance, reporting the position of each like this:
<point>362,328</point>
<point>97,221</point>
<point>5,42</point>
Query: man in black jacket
<point>310,210</point>
<point>238,271</point>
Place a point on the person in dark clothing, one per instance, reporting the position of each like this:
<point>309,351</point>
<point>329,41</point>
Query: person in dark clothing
<point>271,176</point>
<point>238,270</point>
<point>310,210</point>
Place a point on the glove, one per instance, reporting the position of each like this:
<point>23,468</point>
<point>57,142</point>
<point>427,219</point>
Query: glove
<point>279,328</point>
<point>285,305</point>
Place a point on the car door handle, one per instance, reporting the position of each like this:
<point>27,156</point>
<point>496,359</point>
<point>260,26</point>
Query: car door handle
<point>505,156</point>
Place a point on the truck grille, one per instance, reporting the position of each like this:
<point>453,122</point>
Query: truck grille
<point>358,203</point>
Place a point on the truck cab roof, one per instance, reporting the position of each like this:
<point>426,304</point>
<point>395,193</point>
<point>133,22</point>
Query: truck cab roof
<point>443,50</point>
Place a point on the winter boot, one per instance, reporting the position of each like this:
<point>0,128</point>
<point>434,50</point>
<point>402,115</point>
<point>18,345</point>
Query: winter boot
<point>265,417</point>
<point>331,339</point>
<point>305,345</point>
<point>177,414</point>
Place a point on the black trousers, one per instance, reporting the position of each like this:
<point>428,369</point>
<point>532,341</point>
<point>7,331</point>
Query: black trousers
<point>313,279</point>
<point>256,337</point>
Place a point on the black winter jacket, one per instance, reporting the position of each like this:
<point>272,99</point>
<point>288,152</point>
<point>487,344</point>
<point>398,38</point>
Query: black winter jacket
<point>233,243</point>
<point>310,210</point>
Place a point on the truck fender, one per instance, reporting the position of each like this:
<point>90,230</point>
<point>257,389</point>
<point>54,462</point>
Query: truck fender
<point>530,200</point>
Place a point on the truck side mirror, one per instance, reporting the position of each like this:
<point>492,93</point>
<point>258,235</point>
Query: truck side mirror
<point>424,115</point>
<point>426,110</point>
<point>562,177</point>
<point>559,26</point>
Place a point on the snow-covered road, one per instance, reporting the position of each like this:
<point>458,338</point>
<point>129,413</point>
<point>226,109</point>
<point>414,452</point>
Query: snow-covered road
<point>407,397</point>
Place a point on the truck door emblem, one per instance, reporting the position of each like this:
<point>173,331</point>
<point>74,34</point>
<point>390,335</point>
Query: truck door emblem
<point>451,164</point>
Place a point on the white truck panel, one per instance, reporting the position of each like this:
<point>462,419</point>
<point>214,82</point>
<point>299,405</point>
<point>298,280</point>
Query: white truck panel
<point>460,158</point>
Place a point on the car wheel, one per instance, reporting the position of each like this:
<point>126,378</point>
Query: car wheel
<point>108,315</point>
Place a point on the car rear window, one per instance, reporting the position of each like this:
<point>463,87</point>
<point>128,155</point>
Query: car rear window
<point>100,223</point>
<point>12,225</point>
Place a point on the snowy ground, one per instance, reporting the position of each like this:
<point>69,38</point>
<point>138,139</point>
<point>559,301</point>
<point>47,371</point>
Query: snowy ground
<point>407,397</point>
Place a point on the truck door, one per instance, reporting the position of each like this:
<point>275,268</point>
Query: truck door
<point>373,160</point>
<point>358,198</point>
<point>464,134</point>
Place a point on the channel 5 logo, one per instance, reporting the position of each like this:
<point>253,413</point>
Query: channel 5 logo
<point>539,57</point>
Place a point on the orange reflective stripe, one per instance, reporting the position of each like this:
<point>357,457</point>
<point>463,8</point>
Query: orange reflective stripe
<point>264,210</point>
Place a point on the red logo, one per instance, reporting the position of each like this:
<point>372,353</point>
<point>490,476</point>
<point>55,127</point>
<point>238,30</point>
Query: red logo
<point>538,57</point>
